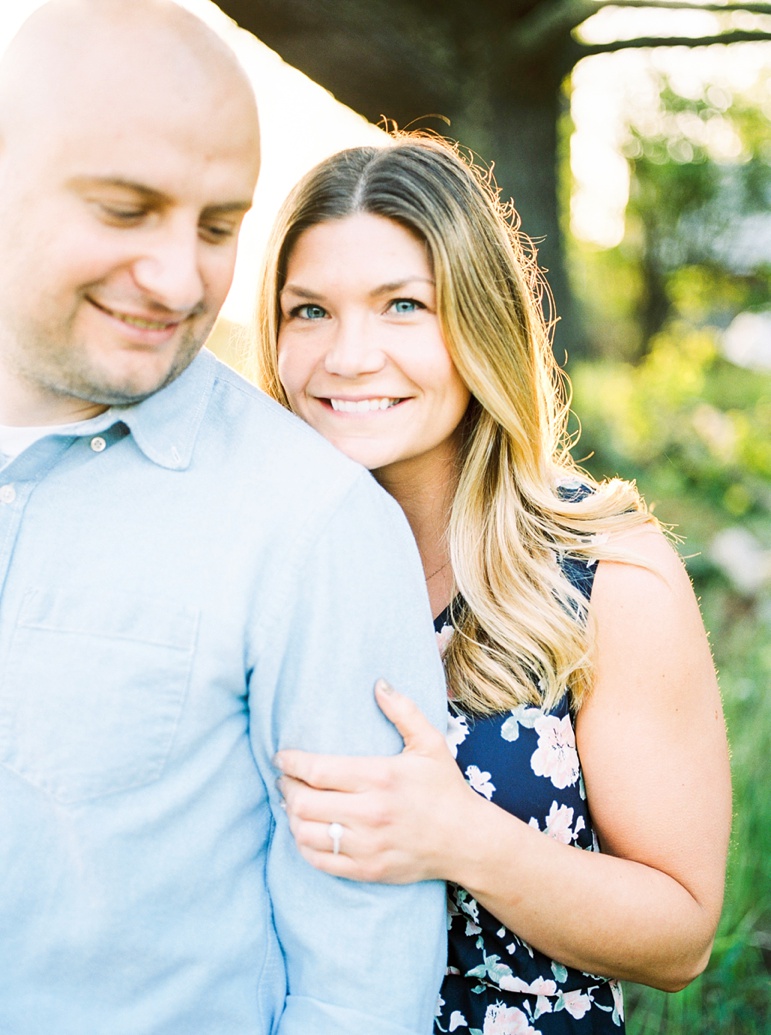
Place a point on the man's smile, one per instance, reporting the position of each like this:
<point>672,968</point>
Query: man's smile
<point>143,323</point>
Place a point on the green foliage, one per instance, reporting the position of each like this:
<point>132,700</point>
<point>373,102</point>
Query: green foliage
<point>700,187</point>
<point>690,423</point>
<point>695,431</point>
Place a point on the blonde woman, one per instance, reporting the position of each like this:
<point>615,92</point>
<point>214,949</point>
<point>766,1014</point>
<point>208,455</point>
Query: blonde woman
<point>580,807</point>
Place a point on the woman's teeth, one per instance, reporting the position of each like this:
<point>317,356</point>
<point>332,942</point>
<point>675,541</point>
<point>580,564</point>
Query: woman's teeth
<point>362,405</point>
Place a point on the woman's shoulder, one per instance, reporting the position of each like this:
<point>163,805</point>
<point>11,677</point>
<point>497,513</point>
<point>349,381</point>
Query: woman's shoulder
<point>654,666</point>
<point>643,603</point>
<point>642,562</point>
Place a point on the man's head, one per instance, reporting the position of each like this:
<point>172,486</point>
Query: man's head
<point>128,156</point>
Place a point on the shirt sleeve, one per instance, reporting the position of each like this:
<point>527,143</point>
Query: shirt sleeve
<point>359,957</point>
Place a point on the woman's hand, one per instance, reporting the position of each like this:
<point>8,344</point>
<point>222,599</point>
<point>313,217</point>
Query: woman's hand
<point>399,814</point>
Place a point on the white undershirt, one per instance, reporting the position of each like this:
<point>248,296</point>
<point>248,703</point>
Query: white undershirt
<point>15,440</point>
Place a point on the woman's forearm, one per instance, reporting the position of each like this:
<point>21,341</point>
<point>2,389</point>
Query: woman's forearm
<point>597,913</point>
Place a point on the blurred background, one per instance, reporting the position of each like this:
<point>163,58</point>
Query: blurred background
<point>635,140</point>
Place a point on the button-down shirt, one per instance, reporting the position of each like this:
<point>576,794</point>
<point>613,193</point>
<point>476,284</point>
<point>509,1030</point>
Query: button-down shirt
<point>185,590</point>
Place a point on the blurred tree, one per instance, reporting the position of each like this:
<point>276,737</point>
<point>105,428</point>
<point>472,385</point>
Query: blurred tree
<point>697,245</point>
<point>494,68</point>
<point>700,208</point>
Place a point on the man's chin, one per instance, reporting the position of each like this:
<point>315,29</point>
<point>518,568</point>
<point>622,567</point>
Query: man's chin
<point>133,387</point>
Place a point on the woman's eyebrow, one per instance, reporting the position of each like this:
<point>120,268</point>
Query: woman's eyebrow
<point>301,292</point>
<point>397,285</point>
<point>382,289</point>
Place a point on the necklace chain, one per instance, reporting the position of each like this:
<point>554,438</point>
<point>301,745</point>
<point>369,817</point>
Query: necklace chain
<point>441,568</point>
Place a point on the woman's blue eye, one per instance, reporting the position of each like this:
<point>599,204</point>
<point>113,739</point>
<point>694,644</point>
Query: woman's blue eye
<point>309,312</point>
<point>406,305</point>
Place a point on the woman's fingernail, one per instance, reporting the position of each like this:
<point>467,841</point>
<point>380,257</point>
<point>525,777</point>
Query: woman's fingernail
<point>383,687</point>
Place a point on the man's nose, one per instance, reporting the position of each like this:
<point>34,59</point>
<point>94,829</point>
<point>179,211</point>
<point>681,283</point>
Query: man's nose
<point>168,271</point>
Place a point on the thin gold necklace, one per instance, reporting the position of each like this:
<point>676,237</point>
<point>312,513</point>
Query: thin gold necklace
<point>429,577</point>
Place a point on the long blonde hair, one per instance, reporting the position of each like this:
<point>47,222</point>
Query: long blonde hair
<point>521,634</point>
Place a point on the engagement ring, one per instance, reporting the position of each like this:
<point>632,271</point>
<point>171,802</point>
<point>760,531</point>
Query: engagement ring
<point>335,831</point>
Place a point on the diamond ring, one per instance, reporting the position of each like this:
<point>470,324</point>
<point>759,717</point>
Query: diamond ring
<point>335,831</point>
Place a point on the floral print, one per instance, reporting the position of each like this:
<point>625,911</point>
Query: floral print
<point>556,755</point>
<point>506,1020</point>
<point>559,824</point>
<point>457,731</point>
<point>480,782</point>
<point>496,984</point>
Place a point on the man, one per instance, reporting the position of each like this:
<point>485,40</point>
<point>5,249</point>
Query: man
<point>191,580</point>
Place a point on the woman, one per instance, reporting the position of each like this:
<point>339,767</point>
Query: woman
<point>400,317</point>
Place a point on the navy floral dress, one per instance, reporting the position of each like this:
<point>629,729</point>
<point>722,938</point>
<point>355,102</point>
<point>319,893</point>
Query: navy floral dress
<point>526,762</point>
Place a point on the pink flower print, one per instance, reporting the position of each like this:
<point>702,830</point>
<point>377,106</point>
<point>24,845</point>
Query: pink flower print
<point>443,638</point>
<point>558,824</point>
<point>556,756</point>
<point>457,1020</point>
<point>457,731</point>
<point>506,1020</point>
<point>577,1003</point>
<point>480,781</point>
<point>541,986</point>
<point>544,989</point>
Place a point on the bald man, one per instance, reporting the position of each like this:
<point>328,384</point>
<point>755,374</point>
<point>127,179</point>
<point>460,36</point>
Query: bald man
<point>191,579</point>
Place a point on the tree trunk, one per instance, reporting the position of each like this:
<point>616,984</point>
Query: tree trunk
<point>512,123</point>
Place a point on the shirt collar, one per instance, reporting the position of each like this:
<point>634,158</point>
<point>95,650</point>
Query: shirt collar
<point>165,425</point>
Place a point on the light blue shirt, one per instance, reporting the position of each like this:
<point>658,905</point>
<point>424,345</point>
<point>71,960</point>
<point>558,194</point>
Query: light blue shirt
<point>185,591</point>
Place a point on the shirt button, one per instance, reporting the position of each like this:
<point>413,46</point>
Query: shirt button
<point>7,494</point>
<point>98,444</point>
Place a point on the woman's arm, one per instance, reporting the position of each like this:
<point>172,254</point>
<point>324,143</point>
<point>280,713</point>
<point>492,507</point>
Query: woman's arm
<point>653,751</point>
<point>652,745</point>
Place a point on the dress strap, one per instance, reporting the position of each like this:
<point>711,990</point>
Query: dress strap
<point>580,572</point>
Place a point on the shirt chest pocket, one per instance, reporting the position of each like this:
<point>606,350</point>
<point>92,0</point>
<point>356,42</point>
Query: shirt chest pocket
<point>92,691</point>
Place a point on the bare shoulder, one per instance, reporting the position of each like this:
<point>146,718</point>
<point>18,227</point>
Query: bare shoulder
<point>652,653</point>
<point>650,567</point>
<point>651,734</point>
<point>647,600</point>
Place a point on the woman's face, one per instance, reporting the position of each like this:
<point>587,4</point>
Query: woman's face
<point>360,349</point>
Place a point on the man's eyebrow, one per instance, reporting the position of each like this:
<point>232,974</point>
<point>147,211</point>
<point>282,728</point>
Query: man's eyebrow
<point>237,207</point>
<point>146,193</point>
<point>150,195</point>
